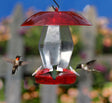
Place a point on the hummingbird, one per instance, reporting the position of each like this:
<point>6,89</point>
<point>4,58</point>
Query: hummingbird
<point>16,63</point>
<point>89,66</point>
<point>55,71</point>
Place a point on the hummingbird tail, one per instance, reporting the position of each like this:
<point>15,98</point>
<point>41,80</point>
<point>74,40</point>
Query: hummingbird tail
<point>54,78</point>
<point>13,72</point>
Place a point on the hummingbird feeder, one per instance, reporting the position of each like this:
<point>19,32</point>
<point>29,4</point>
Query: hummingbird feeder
<point>56,45</point>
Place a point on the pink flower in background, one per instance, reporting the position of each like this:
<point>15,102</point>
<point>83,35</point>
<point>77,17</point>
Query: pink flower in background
<point>66,99</point>
<point>59,91</point>
<point>107,41</point>
<point>26,86</point>
<point>1,84</point>
<point>100,67</point>
<point>110,98</point>
<point>103,22</point>
<point>72,92</point>
<point>22,31</point>
<point>83,55</point>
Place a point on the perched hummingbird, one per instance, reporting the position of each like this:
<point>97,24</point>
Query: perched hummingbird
<point>89,66</point>
<point>16,63</point>
<point>55,71</point>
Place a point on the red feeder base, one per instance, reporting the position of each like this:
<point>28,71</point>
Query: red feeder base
<point>67,77</point>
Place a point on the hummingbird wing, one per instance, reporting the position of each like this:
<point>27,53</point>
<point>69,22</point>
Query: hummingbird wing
<point>9,60</point>
<point>91,62</point>
<point>91,65</point>
<point>21,63</point>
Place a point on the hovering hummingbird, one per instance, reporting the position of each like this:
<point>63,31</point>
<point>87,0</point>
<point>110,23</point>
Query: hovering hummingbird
<point>89,66</point>
<point>16,63</point>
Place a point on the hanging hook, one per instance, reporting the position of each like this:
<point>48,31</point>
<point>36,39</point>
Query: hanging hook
<point>56,4</point>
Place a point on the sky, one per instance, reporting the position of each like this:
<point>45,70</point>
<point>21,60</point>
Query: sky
<point>104,7</point>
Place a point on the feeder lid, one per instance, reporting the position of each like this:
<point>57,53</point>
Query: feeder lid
<point>67,77</point>
<point>56,18</point>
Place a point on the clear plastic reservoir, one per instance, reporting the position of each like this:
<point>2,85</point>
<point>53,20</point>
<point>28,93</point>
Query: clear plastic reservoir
<point>56,46</point>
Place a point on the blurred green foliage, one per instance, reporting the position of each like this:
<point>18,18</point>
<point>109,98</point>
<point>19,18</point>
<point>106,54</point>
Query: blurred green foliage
<point>3,45</point>
<point>31,40</point>
<point>2,90</point>
<point>99,46</point>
